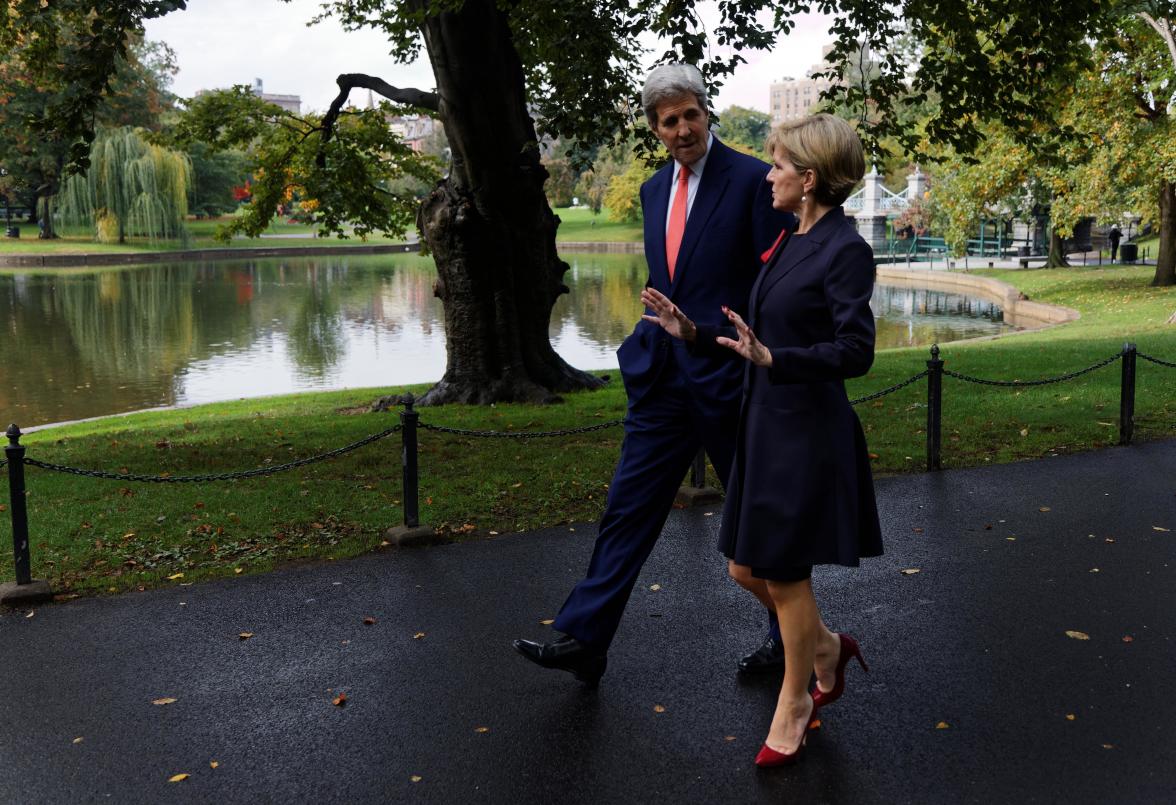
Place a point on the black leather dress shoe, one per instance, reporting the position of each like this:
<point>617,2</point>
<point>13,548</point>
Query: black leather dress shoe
<point>768,657</point>
<point>566,654</point>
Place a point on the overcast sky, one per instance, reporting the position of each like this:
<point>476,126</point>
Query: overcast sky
<point>223,42</point>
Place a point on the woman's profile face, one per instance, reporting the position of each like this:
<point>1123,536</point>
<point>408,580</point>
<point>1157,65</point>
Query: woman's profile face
<point>788,184</point>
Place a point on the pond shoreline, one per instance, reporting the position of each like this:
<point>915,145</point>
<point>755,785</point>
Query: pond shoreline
<point>241,253</point>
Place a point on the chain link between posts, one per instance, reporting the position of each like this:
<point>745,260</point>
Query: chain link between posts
<point>1169,364</point>
<point>227,476</point>
<point>890,390</point>
<point>1044,382</point>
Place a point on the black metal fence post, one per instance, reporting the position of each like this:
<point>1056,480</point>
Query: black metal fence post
<point>698,470</point>
<point>408,458</point>
<point>934,408</point>
<point>16,502</point>
<point>1127,395</point>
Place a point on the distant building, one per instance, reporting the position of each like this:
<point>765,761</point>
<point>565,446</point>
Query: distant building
<point>791,98</point>
<point>291,103</point>
<point>414,130</point>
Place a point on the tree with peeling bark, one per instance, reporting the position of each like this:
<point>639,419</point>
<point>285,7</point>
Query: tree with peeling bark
<point>500,65</point>
<point>1132,99</point>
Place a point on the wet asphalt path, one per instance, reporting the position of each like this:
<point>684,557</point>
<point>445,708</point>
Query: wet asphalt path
<point>973,679</point>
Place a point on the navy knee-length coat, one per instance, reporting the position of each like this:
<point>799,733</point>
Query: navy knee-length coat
<point>801,491</point>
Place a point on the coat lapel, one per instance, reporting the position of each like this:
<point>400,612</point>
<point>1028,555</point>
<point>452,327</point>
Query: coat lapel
<point>799,249</point>
<point>655,251</point>
<point>711,188</point>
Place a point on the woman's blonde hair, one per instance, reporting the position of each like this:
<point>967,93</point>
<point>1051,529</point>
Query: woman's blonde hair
<point>826,145</point>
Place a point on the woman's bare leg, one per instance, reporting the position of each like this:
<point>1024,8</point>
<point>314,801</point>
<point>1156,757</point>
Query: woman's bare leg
<point>800,626</point>
<point>757,587</point>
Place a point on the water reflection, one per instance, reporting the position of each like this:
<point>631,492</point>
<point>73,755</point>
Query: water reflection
<point>86,343</point>
<point>909,317</point>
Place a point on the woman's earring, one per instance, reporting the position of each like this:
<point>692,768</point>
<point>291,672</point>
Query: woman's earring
<point>803,198</point>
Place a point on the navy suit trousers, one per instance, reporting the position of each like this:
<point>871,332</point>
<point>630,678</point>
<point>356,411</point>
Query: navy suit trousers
<point>663,431</point>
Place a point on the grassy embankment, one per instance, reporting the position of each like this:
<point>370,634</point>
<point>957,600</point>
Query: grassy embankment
<point>200,233</point>
<point>93,535</point>
<point>578,225</point>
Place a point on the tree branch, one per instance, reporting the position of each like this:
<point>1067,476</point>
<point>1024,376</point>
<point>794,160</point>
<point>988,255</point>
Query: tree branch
<point>1163,27</point>
<point>349,81</point>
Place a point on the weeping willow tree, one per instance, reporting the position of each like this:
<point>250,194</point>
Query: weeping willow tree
<point>131,188</point>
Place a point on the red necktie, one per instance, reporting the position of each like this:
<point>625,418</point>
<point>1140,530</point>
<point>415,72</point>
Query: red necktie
<point>677,220</point>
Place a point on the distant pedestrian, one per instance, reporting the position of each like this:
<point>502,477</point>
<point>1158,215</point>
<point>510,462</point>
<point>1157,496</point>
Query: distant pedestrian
<point>1114,236</point>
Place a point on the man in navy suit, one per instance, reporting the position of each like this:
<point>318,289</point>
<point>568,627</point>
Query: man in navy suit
<point>708,218</point>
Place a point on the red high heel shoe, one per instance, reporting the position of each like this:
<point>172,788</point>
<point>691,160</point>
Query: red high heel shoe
<point>849,648</point>
<point>769,758</point>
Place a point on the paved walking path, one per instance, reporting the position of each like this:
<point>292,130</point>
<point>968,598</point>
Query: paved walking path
<point>976,693</point>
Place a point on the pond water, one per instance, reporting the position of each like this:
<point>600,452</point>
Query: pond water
<point>83,343</point>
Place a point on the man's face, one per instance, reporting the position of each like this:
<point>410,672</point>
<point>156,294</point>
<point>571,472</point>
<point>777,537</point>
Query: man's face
<point>682,128</point>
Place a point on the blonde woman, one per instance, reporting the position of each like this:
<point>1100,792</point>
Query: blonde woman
<point>800,493</point>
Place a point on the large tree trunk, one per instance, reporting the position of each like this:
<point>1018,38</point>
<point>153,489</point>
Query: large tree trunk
<point>1057,251</point>
<point>1166,255</point>
<point>488,224</point>
<point>44,210</point>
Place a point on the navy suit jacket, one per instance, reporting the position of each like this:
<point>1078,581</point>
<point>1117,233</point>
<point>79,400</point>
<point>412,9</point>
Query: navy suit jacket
<point>730,225</point>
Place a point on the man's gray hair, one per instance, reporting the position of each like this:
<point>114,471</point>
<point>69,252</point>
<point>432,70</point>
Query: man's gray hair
<point>669,82</point>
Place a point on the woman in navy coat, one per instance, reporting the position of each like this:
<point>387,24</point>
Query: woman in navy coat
<point>801,492</point>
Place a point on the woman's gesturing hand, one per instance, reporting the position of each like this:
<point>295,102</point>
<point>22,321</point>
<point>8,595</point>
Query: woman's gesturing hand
<point>748,345</point>
<point>666,313</point>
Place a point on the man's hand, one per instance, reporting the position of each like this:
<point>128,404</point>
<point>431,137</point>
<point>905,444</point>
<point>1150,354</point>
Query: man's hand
<point>666,313</point>
<point>748,345</point>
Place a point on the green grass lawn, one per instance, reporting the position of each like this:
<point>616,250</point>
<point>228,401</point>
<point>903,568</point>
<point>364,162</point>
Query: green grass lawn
<point>201,237</point>
<point>580,225</point>
<point>92,535</point>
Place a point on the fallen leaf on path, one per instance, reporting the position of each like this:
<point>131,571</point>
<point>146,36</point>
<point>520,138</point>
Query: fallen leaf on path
<point>1043,508</point>
<point>178,778</point>
<point>1128,638</point>
<point>78,740</point>
<point>657,708</point>
<point>339,700</point>
<point>917,530</point>
<point>729,738</point>
<point>238,570</point>
<point>369,621</point>
<point>1070,716</point>
<point>1094,570</point>
<point>244,635</point>
<point>1108,746</point>
<point>547,621</point>
<point>418,635</point>
<point>655,587</point>
<point>1160,528</point>
<point>942,725</point>
<point>481,729</point>
<point>212,764</point>
<point>32,612</point>
<point>1077,635</point>
<point>166,700</point>
<point>910,571</point>
<point>175,576</point>
<point>416,778</point>
<point>1024,431</point>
